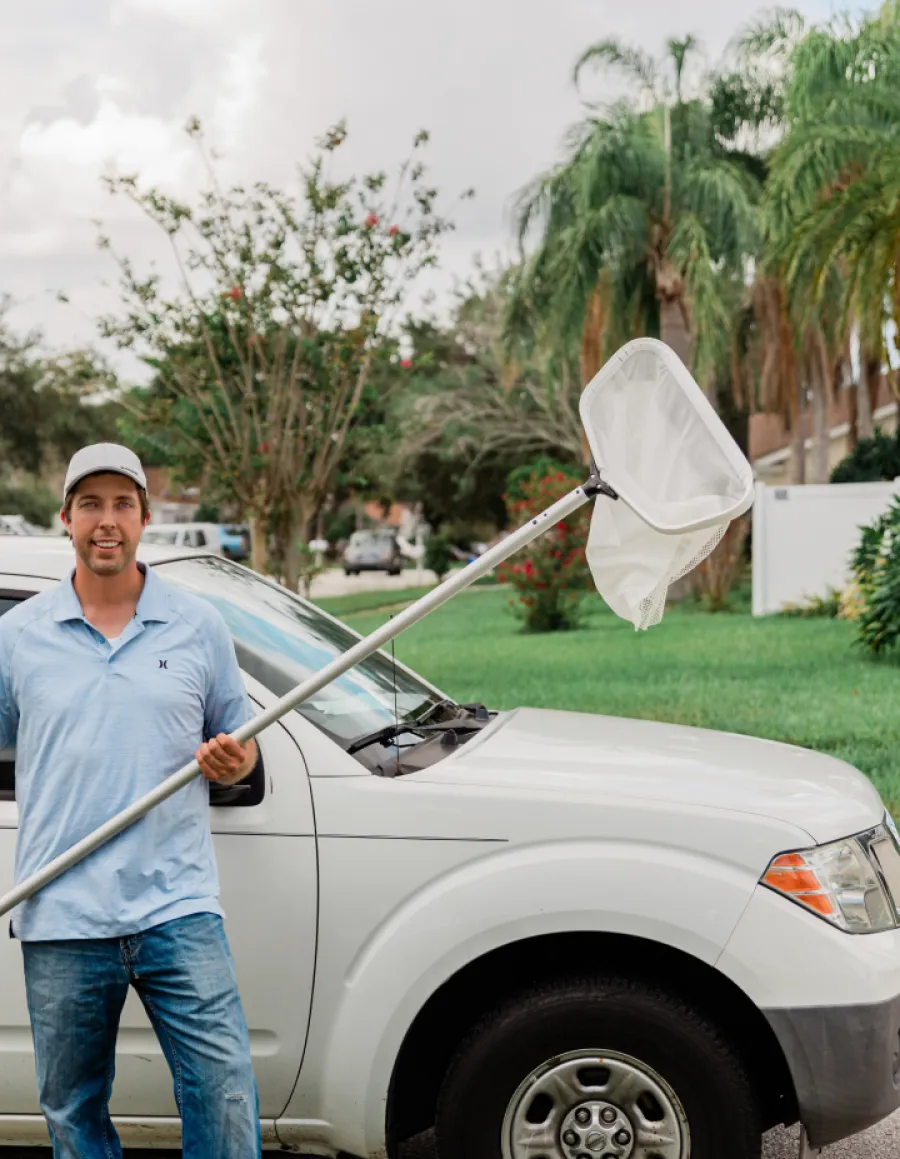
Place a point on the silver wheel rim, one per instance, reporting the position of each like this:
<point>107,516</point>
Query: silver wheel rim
<point>595,1105</point>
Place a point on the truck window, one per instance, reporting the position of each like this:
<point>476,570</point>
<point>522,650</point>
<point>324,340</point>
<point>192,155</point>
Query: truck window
<point>280,640</point>
<point>8,600</point>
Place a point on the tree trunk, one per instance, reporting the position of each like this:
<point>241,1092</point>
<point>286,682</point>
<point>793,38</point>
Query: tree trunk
<point>798,434</point>
<point>591,353</point>
<point>867,393</point>
<point>854,398</point>
<point>259,551</point>
<point>295,532</point>
<point>818,465</point>
<point>359,511</point>
<point>673,328</point>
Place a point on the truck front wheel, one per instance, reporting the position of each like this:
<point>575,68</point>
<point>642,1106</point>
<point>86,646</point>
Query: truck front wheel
<point>597,1069</point>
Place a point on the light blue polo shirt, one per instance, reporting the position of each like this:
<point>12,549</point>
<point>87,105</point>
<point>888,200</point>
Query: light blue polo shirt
<point>98,725</point>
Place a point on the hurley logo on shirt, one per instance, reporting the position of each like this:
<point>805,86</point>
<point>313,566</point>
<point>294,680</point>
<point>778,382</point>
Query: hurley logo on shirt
<point>164,664</point>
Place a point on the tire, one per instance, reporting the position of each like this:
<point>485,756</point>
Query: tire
<point>598,1032</point>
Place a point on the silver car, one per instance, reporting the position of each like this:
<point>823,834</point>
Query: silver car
<point>373,551</point>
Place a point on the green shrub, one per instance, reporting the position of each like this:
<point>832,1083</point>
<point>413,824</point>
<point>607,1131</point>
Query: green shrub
<point>876,569</point>
<point>519,480</point>
<point>33,500</point>
<point>550,576</point>
<point>827,607</point>
<point>870,461</point>
<point>340,524</point>
<point>438,555</point>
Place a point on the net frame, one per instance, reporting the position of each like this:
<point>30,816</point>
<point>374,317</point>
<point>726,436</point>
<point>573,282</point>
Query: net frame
<point>703,409</point>
<point>636,555</point>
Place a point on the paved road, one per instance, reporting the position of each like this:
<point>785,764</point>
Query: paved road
<point>881,1142</point>
<point>334,583</point>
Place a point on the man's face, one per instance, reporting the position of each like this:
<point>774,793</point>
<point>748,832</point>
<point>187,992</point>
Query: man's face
<point>105,523</point>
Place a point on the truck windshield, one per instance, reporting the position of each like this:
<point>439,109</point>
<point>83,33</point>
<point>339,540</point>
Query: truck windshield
<point>281,640</point>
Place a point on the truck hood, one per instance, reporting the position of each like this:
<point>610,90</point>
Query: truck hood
<point>570,752</point>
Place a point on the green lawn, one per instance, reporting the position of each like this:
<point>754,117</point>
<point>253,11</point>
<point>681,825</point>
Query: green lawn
<point>351,605</point>
<point>794,680</point>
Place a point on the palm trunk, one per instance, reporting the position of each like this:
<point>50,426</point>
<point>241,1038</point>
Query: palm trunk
<point>591,353</point>
<point>854,397</point>
<point>867,393</point>
<point>798,434</point>
<point>674,329</point>
<point>818,465</point>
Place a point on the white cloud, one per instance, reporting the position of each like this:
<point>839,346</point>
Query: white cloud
<point>113,81</point>
<point>66,151</point>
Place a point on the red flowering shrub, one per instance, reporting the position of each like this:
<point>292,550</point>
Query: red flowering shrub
<point>550,576</point>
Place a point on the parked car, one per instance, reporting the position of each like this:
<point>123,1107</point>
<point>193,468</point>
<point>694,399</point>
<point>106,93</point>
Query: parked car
<point>235,541</point>
<point>19,525</point>
<point>376,550</point>
<point>552,934</point>
<point>198,535</point>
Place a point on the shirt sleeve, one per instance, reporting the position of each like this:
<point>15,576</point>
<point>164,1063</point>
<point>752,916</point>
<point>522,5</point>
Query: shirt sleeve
<point>9,711</point>
<point>227,704</point>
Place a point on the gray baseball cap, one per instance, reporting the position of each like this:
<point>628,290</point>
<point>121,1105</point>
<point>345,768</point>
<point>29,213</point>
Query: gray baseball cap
<point>106,459</point>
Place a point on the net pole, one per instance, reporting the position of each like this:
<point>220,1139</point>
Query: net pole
<point>341,664</point>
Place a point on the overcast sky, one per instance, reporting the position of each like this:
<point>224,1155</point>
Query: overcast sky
<point>89,84</point>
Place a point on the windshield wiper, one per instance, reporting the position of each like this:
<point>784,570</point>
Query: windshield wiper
<point>469,718</point>
<point>436,707</point>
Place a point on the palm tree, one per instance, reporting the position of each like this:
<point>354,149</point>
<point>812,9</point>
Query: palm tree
<point>834,186</point>
<point>641,226</point>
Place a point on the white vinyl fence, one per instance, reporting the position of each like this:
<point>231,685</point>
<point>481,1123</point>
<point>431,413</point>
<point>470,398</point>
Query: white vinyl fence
<point>803,538</point>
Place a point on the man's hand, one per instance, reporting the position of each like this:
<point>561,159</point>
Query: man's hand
<point>225,761</point>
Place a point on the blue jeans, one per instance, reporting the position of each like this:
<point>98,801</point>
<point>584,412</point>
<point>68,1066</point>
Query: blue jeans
<point>183,972</point>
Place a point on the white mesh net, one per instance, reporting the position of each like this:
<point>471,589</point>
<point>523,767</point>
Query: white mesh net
<point>680,477</point>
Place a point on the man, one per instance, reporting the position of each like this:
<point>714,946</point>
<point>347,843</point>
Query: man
<point>110,682</point>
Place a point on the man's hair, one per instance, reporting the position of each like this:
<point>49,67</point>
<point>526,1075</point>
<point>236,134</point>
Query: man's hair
<point>70,498</point>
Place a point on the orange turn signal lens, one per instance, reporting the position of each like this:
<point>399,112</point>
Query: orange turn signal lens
<point>792,875</point>
<point>793,880</point>
<point>789,861</point>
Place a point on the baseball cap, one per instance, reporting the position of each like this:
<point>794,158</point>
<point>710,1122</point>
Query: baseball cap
<point>107,459</point>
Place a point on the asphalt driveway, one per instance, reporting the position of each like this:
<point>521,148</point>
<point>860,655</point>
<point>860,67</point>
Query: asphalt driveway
<point>882,1142</point>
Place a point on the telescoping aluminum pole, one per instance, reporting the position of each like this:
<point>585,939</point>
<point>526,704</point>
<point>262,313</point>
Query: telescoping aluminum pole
<point>405,619</point>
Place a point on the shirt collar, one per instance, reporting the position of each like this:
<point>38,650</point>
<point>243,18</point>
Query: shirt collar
<point>152,605</point>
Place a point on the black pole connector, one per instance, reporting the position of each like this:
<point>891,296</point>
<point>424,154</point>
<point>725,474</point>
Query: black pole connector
<point>596,485</point>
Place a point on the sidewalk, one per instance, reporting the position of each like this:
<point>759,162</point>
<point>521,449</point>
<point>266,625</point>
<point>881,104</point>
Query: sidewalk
<point>334,583</point>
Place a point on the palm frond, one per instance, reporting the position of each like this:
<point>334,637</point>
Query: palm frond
<point>712,320</point>
<point>636,65</point>
<point>774,33</point>
<point>724,198</point>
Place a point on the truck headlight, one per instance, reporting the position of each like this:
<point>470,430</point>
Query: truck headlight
<point>853,883</point>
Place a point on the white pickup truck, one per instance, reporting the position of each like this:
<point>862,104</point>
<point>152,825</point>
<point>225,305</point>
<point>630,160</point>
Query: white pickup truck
<point>550,935</point>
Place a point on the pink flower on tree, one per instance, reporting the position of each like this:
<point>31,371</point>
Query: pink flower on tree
<point>235,293</point>
<point>406,363</point>
<point>371,221</point>
<point>393,231</point>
